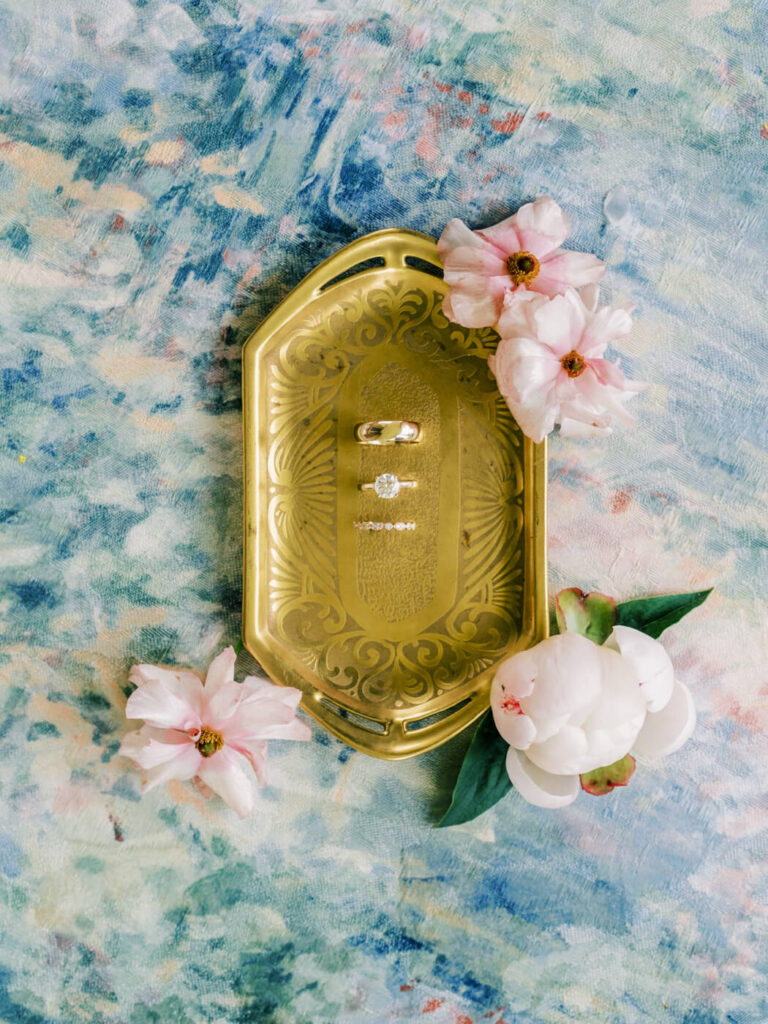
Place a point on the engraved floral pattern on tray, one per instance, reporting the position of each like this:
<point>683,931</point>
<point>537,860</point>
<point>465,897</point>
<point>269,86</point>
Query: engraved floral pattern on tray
<point>306,372</point>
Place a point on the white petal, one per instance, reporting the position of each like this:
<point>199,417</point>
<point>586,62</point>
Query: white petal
<point>514,728</point>
<point>568,677</point>
<point>667,730</point>
<point>650,663</point>
<point>538,787</point>
<point>221,671</point>
<point>565,753</point>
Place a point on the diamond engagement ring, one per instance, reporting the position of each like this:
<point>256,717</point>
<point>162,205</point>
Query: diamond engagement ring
<point>388,432</point>
<point>387,485</point>
<point>368,525</point>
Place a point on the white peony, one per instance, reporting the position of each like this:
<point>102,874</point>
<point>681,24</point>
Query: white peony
<point>569,706</point>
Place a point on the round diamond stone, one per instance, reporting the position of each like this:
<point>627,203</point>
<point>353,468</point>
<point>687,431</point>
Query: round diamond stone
<point>387,485</point>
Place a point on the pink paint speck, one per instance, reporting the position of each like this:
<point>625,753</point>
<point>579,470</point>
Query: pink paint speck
<point>426,149</point>
<point>432,1004</point>
<point>509,125</point>
<point>465,97</point>
<point>394,123</point>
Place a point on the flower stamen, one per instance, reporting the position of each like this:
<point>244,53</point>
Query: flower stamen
<point>574,364</point>
<point>209,741</point>
<point>523,267</point>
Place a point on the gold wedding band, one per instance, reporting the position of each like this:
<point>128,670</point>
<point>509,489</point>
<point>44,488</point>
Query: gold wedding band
<point>388,432</point>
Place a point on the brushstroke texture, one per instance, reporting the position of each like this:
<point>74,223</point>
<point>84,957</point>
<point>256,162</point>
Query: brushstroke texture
<point>168,171</point>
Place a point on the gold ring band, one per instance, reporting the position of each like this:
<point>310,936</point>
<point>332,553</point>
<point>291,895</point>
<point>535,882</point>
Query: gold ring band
<point>388,432</point>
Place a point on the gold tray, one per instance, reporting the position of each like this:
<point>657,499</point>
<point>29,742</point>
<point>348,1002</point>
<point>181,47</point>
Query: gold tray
<point>392,636</point>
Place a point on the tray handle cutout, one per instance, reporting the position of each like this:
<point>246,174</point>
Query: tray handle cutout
<point>379,250</point>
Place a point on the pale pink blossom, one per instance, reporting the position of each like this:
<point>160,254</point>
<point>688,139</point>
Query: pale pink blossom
<point>211,732</point>
<point>549,364</point>
<point>568,707</point>
<point>520,254</point>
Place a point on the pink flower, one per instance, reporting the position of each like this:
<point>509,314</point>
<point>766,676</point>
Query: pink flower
<point>550,369</point>
<point>520,254</point>
<point>210,731</point>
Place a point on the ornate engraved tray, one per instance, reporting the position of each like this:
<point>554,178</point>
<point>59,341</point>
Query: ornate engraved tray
<point>391,635</point>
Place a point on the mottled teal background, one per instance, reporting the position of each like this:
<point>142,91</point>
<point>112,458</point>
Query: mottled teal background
<point>168,171</point>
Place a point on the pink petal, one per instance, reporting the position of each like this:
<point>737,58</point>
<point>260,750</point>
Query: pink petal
<point>667,730</point>
<point>155,753</point>
<point>256,753</point>
<point>604,327</point>
<point>560,323</point>
<point>183,766</point>
<point>604,397</point>
<point>610,374</point>
<point>224,704</point>
<point>535,421</point>
<point>590,296</point>
<point>456,235</point>
<point>581,431</point>
<point>159,706</point>
<point>224,773</point>
<point>201,787</point>
<point>503,237</point>
<point>182,682</point>
<point>220,671</point>
<point>538,787</point>
<point>517,313</point>
<point>256,687</point>
<point>448,308</point>
<point>477,301</point>
<point>541,226</point>
<point>565,270</point>
<point>525,370</point>
<point>144,745</point>
<point>264,719</point>
<point>483,262</point>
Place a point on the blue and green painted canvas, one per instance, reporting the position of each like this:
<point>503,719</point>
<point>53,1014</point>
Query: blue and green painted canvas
<point>168,172</point>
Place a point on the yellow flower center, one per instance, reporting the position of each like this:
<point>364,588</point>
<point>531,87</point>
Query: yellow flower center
<point>522,267</point>
<point>573,363</point>
<point>209,741</point>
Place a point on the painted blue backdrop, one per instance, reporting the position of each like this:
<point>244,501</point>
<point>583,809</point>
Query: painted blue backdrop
<point>168,171</point>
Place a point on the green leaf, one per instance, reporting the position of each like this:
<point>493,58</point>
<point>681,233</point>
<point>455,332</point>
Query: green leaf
<point>238,647</point>
<point>603,780</point>
<point>593,615</point>
<point>652,615</point>
<point>483,778</point>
